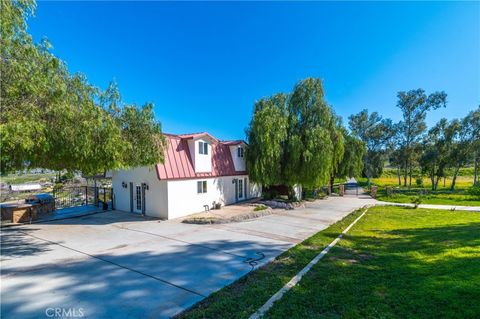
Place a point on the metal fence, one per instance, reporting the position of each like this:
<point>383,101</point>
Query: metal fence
<point>83,195</point>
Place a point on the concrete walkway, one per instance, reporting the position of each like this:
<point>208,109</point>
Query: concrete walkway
<point>431,206</point>
<point>120,265</point>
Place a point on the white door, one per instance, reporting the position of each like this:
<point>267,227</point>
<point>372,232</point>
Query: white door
<point>137,204</point>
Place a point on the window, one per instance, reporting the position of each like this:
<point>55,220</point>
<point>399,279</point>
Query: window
<point>240,188</point>
<point>203,148</point>
<point>201,187</point>
<point>240,152</point>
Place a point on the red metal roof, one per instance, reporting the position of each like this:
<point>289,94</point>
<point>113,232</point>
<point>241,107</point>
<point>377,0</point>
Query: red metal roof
<point>179,164</point>
<point>235,142</point>
<point>197,135</point>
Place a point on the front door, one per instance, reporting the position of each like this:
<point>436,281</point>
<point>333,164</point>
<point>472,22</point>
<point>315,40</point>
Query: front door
<point>138,203</point>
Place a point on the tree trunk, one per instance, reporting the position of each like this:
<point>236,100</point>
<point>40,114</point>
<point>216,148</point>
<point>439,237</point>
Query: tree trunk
<point>432,179</point>
<point>452,188</point>
<point>475,171</point>
<point>444,181</point>
<point>436,182</point>
<point>410,175</point>
<point>398,174</point>
<point>332,180</point>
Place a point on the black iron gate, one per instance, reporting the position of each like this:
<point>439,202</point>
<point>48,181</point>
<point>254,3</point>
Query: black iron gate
<point>351,188</point>
<point>72,196</point>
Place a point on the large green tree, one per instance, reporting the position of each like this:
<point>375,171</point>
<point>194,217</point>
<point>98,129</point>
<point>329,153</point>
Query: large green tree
<point>351,164</point>
<point>466,141</point>
<point>290,138</point>
<point>309,146</point>
<point>436,151</point>
<point>414,105</point>
<point>375,132</point>
<point>472,126</point>
<point>56,120</point>
<point>266,135</point>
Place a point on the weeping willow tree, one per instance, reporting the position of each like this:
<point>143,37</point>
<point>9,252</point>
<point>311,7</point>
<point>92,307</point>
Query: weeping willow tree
<point>290,138</point>
<point>56,120</point>
<point>267,135</point>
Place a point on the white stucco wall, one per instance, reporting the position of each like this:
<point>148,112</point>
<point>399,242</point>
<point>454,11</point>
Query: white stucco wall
<point>238,162</point>
<point>176,198</point>
<point>155,197</point>
<point>201,162</point>
<point>183,198</point>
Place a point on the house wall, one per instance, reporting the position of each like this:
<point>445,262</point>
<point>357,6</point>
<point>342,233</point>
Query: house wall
<point>238,162</point>
<point>201,162</point>
<point>183,198</point>
<point>156,196</point>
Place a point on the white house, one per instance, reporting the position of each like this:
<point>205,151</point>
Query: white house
<point>199,171</point>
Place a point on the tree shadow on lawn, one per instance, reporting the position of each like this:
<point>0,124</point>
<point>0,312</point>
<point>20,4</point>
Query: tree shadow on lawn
<point>424,272</point>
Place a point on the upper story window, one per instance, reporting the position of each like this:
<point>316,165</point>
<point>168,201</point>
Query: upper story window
<point>240,152</point>
<point>203,148</point>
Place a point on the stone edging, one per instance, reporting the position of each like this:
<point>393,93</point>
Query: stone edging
<point>233,219</point>
<point>287,206</point>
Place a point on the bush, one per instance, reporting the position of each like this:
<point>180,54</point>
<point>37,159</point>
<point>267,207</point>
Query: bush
<point>419,181</point>
<point>259,208</point>
<point>474,191</point>
<point>270,194</point>
<point>417,200</point>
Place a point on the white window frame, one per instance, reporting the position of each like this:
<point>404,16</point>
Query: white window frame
<point>201,187</point>
<point>202,148</point>
<point>240,152</point>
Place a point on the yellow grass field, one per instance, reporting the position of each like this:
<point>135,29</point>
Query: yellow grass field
<point>462,182</point>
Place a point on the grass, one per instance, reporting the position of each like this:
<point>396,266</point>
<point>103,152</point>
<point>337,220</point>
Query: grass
<point>394,263</point>
<point>457,199</point>
<point>259,208</point>
<point>442,196</point>
<point>246,295</point>
<point>26,178</point>
<point>462,182</point>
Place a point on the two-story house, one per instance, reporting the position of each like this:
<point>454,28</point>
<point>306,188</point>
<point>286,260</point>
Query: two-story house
<point>199,171</point>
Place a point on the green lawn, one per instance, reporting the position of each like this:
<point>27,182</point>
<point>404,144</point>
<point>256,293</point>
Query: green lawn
<point>459,198</point>
<point>395,263</point>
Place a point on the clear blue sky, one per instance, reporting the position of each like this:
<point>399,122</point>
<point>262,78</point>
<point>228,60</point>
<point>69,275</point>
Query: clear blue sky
<point>205,64</point>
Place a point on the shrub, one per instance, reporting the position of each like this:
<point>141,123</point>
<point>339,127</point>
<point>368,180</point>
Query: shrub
<point>260,207</point>
<point>270,194</point>
<point>419,181</point>
<point>474,191</point>
<point>417,200</point>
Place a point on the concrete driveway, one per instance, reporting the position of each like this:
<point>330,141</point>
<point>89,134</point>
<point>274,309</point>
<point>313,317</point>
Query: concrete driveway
<point>119,265</point>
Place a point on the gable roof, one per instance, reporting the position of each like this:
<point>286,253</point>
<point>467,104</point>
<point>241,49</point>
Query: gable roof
<point>197,135</point>
<point>179,164</point>
<point>232,143</point>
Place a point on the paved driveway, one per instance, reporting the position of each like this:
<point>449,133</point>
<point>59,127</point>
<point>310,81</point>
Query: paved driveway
<point>119,265</point>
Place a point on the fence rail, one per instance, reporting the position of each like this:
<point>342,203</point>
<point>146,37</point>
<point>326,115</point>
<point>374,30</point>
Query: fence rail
<point>73,196</point>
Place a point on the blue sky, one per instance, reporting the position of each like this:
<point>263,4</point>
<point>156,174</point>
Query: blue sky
<point>204,64</point>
